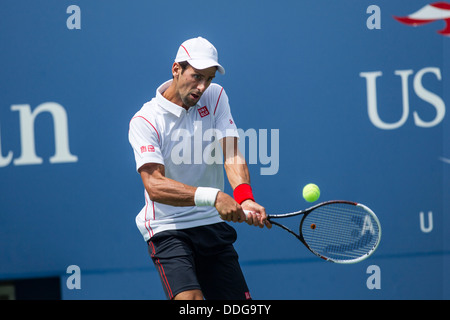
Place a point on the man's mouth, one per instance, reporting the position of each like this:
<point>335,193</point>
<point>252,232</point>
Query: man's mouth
<point>195,96</point>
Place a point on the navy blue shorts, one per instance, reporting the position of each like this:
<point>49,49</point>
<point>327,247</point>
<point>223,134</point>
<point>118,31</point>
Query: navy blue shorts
<point>199,258</point>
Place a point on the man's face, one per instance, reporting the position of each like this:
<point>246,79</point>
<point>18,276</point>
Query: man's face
<point>192,83</point>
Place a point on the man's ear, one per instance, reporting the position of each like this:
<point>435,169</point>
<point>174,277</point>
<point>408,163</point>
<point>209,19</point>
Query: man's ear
<point>176,70</point>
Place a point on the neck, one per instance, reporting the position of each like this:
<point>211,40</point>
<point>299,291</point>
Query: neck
<point>171,95</point>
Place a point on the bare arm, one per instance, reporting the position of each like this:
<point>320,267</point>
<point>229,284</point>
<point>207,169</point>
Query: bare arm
<point>168,191</point>
<point>237,173</point>
<point>164,190</point>
<point>235,164</point>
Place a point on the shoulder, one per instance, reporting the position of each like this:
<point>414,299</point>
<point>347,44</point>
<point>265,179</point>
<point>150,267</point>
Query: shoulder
<point>213,95</point>
<point>149,110</point>
<point>214,89</point>
<point>147,116</point>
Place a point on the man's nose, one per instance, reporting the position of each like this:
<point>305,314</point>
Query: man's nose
<point>201,86</point>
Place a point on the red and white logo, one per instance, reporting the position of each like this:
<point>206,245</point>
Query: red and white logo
<point>203,111</point>
<point>429,13</point>
<point>148,148</point>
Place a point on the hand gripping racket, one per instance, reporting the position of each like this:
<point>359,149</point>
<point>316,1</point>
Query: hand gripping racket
<point>337,231</point>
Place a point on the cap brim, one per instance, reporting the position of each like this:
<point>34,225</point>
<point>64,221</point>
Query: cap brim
<point>201,64</point>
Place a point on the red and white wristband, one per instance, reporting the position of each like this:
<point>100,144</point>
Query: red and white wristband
<point>243,192</point>
<point>205,196</point>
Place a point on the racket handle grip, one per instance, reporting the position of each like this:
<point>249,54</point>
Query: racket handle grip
<point>246,212</point>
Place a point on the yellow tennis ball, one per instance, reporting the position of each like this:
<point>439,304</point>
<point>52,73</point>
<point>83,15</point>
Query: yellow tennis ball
<point>311,192</point>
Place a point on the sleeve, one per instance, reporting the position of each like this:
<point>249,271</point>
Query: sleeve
<point>145,141</point>
<point>224,120</point>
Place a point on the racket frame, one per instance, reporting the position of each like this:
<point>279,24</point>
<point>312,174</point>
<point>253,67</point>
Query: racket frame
<point>306,212</point>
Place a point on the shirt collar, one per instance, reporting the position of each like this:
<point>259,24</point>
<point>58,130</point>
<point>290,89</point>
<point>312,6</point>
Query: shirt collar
<point>166,104</point>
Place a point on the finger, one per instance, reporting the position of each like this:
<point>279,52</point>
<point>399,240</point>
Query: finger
<point>241,215</point>
<point>256,219</point>
<point>227,217</point>
<point>252,219</point>
<point>261,222</point>
<point>234,217</point>
<point>263,218</point>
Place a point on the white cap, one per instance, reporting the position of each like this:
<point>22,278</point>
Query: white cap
<point>200,54</point>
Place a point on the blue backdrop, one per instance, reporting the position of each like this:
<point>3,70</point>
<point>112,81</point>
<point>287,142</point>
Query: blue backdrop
<point>350,98</point>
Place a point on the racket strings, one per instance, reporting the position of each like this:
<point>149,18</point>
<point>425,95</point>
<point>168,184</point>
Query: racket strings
<point>340,231</point>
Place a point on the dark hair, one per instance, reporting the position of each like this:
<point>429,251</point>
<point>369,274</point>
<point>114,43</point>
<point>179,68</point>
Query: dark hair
<point>183,65</point>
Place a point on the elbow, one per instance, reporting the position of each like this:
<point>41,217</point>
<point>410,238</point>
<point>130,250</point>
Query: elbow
<point>153,194</point>
<point>154,181</point>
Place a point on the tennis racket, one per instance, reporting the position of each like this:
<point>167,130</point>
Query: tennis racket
<point>337,231</point>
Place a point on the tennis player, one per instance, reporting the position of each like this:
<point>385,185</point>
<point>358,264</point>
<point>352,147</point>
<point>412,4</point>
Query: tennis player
<point>176,138</point>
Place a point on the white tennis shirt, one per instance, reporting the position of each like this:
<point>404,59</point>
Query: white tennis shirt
<point>187,144</point>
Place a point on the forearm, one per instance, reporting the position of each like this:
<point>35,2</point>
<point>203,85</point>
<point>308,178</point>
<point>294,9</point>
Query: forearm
<point>239,178</point>
<point>171,192</point>
<point>235,164</point>
<point>165,190</point>
<point>237,174</point>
